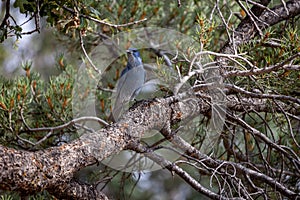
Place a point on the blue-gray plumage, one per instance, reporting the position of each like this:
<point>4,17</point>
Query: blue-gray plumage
<point>130,83</point>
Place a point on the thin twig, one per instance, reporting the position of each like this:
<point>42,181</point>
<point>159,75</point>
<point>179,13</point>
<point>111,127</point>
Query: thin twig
<point>86,55</point>
<point>231,57</point>
<point>178,3</point>
<point>261,6</point>
<point>174,168</point>
<point>66,125</point>
<point>104,22</point>
<point>261,70</point>
<point>51,130</point>
<point>263,96</point>
<point>284,5</point>
<point>289,125</point>
<point>251,18</point>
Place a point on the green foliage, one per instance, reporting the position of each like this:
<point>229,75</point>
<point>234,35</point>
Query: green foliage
<point>70,16</point>
<point>28,101</point>
<point>205,31</point>
<point>6,197</point>
<point>275,47</point>
<point>41,196</point>
<point>25,6</point>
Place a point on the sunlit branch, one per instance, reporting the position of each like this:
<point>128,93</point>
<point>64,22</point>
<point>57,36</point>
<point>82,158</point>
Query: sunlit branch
<point>263,96</point>
<point>86,54</point>
<point>260,71</point>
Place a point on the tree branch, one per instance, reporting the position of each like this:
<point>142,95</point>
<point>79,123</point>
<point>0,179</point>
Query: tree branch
<point>220,165</point>
<point>262,96</point>
<point>246,29</point>
<point>179,171</point>
<point>104,22</point>
<point>53,169</point>
<point>7,15</point>
<point>264,70</point>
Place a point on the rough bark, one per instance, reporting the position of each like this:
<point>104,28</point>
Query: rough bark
<point>246,30</point>
<point>53,169</point>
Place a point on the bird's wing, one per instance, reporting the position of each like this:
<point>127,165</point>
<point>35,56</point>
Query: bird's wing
<point>147,90</point>
<point>127,85</point>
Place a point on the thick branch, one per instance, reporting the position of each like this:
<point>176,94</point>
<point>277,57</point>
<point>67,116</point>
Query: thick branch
<point>53,169</point>
<point>246,30</point>
<point>7,15</point>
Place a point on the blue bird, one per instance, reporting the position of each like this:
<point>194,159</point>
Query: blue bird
<point>130,83</point>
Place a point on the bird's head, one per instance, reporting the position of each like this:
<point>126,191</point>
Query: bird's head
<point>133,52</point>
<point>134,58</point>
